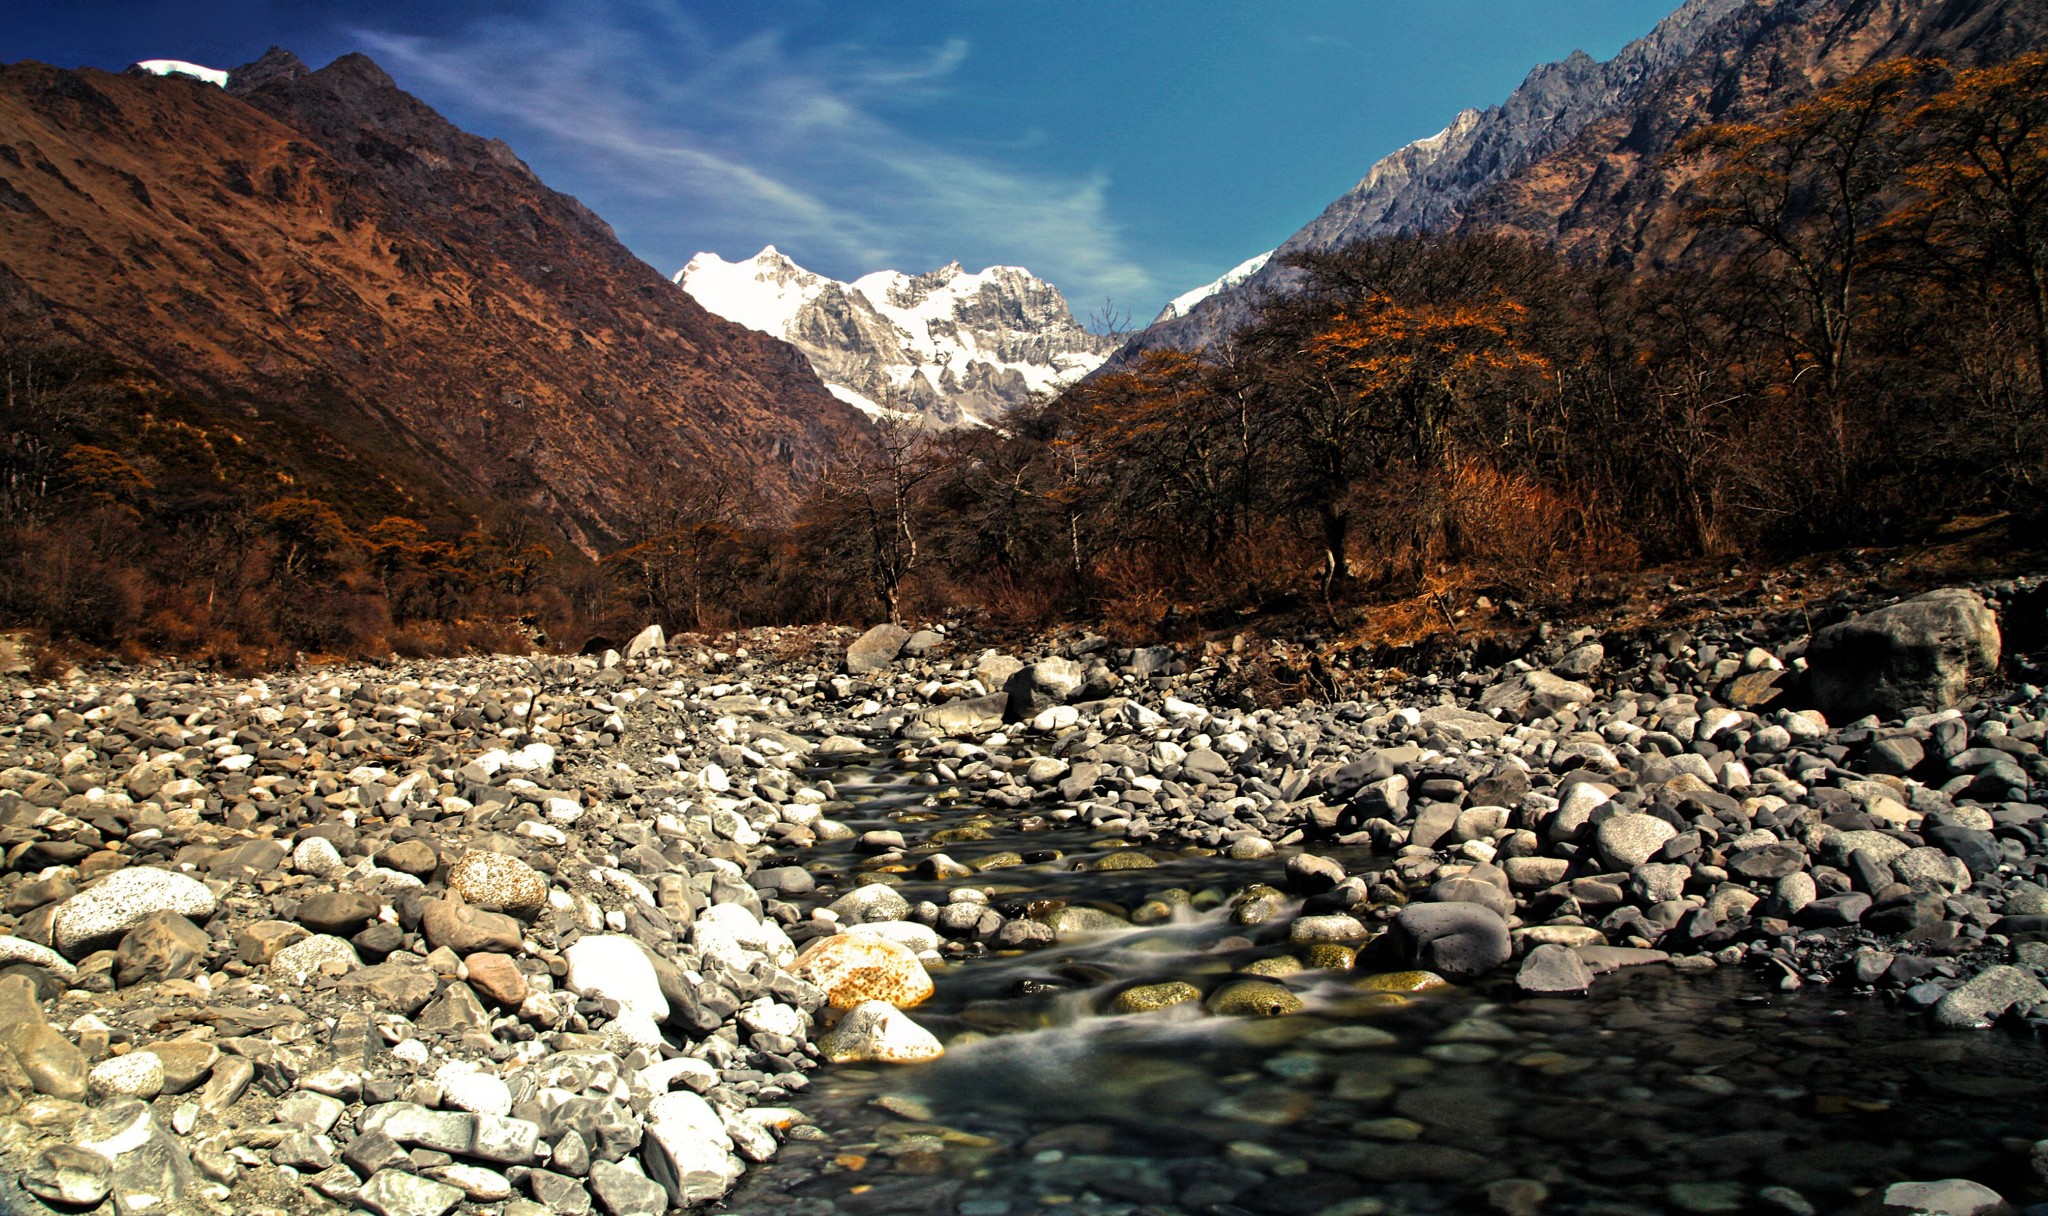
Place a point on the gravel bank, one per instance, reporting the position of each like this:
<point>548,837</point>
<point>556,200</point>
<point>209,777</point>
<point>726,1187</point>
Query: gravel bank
<point>525,934</point>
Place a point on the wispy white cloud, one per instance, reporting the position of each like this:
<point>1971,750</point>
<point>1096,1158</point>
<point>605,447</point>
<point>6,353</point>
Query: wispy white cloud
<point>732,144</point>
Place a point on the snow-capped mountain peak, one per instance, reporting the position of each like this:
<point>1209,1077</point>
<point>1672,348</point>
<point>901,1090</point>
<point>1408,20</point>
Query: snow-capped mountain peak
<point>947,347</point>
<point>763,292</point>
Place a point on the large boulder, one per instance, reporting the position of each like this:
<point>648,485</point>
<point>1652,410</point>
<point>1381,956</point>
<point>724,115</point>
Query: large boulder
<point>969,716</point>
<point>877,901</point>
<point>1924,652</point>
<point>994,669</point>
<point>150,1169</point>
<point>52,1064</point>
<point>165,946</point>
<point>1552,968</point>
<point>648,641</point>
<point>497,882</point>
<point>1533,694</point>
<point>1988,996</point>
<point>1455,940</point>
<point>876,649</point>
<point>687,1150</point>
<point>467,930</point>
<point>878,1032</point>
<point>108,909</point>
<point>1041,686</point>
<point>1628,840</point>
<point>616,966</point>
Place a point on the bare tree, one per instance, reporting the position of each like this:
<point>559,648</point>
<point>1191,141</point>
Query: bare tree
<point>684,532</point>
<point>869,506</point>
<point>1808,189</point>
<point>46,391</point>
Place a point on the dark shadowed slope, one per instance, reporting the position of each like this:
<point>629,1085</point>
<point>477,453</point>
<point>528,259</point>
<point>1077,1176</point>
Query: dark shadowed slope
<point>324,236</point>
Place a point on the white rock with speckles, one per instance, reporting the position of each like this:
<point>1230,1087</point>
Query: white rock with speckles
<point>123,900</point>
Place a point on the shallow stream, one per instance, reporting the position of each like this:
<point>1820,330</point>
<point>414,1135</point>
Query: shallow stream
<point>1659,1092</point>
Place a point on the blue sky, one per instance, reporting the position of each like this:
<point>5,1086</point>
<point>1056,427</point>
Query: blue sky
<point>1125,150</point>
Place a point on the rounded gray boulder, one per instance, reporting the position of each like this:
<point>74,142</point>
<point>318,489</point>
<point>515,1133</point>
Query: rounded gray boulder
<point>1459,941</point>
<point>1925,652</point>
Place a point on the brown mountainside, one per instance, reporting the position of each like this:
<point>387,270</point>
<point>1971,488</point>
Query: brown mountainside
<point>1615,194</point>
<point>324,237</point>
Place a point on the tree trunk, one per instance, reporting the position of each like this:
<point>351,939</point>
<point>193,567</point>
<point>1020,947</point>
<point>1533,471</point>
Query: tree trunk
<point>1336,543</point>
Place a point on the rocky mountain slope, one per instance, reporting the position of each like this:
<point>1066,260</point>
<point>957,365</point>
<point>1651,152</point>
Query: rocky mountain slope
<point>321,242</point>
<point>1578,153</point>
<point>1184,303</point>
<point>1427,184</point>
<point>1613,194</point>
<point>948,348</point>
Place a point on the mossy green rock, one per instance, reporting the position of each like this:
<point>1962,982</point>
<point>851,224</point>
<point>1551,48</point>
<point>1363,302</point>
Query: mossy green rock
<point>1257,904</point>
<point>1070,923</point>
<point>1128,860</point>
<point>1253,999</point>
<point>1404,981</point>
<point>996,861</point>
<point>959,834</point>
<point>1329,956</point>
<point>1149,997</point>
<point>1161,907</point>
<point>1274,966</point>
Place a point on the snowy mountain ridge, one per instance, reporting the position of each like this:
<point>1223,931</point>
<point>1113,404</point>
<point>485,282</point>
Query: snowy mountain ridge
<point>945,348</point>
<point>1184,303</point>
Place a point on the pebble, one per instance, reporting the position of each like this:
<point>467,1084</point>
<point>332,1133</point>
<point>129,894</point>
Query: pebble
<point>138,1074</point>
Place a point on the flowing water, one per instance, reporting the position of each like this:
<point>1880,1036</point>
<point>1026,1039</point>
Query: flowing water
<point>1659,1092</point>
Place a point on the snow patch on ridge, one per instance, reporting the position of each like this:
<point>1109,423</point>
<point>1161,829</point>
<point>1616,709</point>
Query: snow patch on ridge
<point>1183,304</point>
<point>178,67</point>
<point>764,292</point>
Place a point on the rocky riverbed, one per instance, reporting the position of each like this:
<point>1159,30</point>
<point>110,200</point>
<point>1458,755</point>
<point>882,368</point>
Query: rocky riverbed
<point>574,934</point>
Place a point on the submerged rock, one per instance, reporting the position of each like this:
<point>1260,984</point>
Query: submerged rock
<point>1948,1197</point>
<point>1253,998</point>
<point>1149,997</point>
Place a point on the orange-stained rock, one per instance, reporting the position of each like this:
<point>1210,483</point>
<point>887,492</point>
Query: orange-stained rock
<point>495,977</point>
<point>854,969</point>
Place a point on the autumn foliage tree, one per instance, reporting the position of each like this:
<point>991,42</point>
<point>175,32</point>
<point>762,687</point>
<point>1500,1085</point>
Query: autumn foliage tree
<point>1381,367</point>
<point>1159,460</point>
